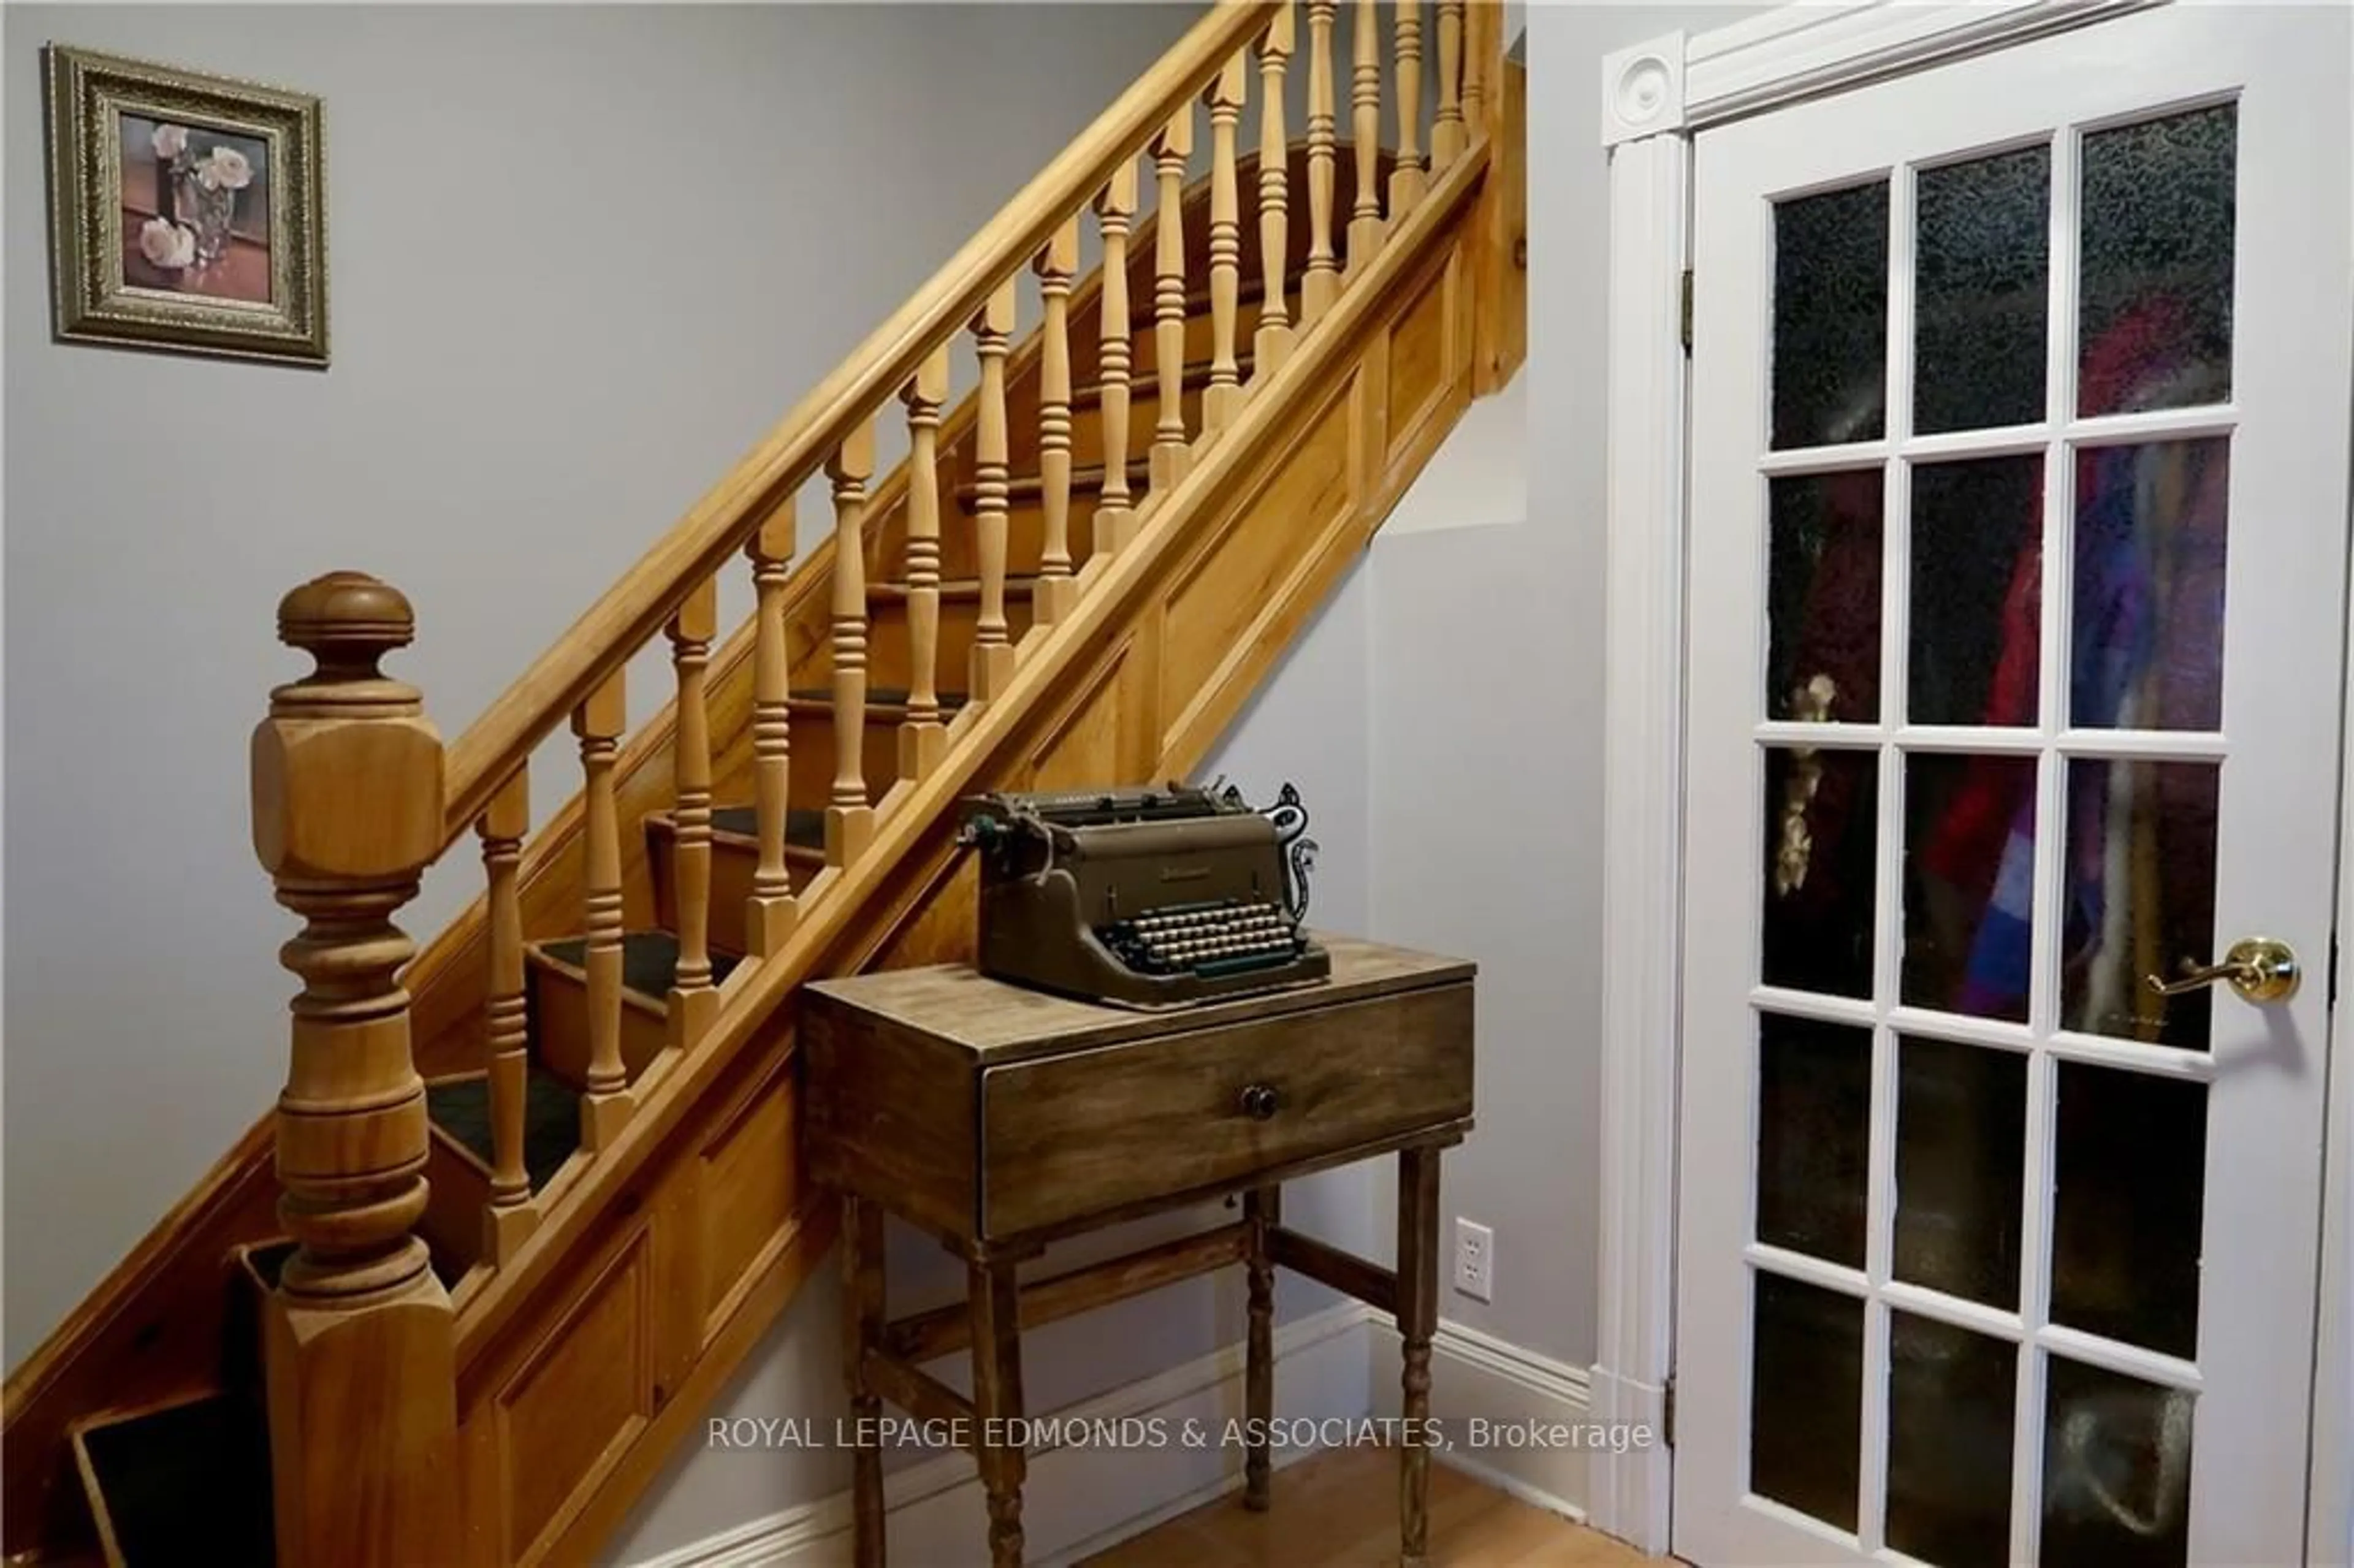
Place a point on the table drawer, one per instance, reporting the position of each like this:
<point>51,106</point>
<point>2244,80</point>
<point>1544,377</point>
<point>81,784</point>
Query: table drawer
<point>1070,1136</point>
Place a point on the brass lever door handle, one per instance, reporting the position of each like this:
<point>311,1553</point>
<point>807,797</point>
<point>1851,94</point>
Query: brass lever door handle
<point>2261,969</point>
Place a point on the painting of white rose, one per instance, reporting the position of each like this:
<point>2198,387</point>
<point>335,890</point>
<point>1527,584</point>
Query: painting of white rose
<point>195,209</point>
<point>187,210</point>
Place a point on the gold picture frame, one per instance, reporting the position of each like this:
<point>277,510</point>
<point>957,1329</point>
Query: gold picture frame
<point>185,210</point>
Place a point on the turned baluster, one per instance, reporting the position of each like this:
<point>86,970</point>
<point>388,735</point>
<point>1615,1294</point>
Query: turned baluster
<point>1319,282</point>
<point>1056,590</point>
<point>1493,44</point>
<point>1170,456</point>
<point>1407,180</point>
<point>1272,340</point>
<point>1496,250</point>
<point>1365,105</point>
<point>923,738</point>
<point>1114,522</point>
<point>770,911</point>
<point>849,819</point>
<point>992,650</point>
<point>1447,136</point>
<point>1222,398</point>
<point>357,1338</point>
<point>692,998</point>
<point>1474,74</point>
<point>505,1020</point>
<point>598,722</point>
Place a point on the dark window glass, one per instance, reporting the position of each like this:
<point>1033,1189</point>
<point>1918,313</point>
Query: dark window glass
<point>2116,1470</point>
<point>1961,1152</point>
<point>1814,1127</point>
<point>2140,897</point>
<point>1969,882</point>
<point>1822,658</point>
<point>2130,1173</point>
<point>1978,556</point>
<point>1983,284</point>
<point>1831,317</point>
<point>2147,644</point>
<point>1821,811</point>
<point>2156,311</point>
<point>1806,1415</point>
<point>1951,1394</point>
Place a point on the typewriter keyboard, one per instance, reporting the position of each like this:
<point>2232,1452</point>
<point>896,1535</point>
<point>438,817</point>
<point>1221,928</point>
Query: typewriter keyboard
<point>1225,937</point>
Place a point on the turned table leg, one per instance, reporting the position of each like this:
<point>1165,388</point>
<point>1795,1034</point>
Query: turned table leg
<point>1262,1212</point>
<point>997,1401</point>
<point>862,1331</point>
<point>1417,1318</point>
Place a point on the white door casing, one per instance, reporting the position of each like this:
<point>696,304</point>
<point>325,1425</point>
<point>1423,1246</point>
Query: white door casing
<point>2275,748</point>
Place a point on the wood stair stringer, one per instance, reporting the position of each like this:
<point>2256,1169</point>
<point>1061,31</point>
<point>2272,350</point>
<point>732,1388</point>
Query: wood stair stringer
<point>1347,422</point>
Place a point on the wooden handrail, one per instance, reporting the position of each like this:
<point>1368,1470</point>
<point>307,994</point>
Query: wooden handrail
<point>631,611</point>
<point>757,990</point>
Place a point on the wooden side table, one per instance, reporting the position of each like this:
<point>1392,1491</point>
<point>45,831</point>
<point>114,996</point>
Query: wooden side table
<point>1001,1120</point>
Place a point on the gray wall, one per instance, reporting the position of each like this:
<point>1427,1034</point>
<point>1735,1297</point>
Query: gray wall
<point>1486,711</point>
<point>581,257</point>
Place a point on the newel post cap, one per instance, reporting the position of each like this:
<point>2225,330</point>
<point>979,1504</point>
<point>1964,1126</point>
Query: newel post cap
<point>346,617</point>
<point>346,771</point>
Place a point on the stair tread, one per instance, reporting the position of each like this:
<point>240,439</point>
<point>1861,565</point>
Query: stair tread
<point>1145,385</point>
<point>878,697</point>
<point>1250,287</point>
<point>551,1120</point>
<point>804,830</point>
<point>649,960</point>
<point>897,590</point>
<point>1084,477</point>
<point>268,1259</point>
<point>204,1465</point>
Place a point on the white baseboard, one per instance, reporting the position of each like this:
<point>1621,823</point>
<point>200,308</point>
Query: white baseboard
<point>1076,1501</point>
<point>1475,1375</point>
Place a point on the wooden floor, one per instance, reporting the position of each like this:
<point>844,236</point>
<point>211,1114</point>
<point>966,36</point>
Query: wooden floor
<point>1339,1510</point>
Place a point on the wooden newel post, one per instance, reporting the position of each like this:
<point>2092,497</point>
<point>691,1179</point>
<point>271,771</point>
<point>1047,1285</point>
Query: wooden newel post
<point>358,1339</point>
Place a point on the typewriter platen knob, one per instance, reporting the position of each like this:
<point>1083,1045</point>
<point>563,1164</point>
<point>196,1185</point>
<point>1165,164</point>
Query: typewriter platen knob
<point>1259,1101</point>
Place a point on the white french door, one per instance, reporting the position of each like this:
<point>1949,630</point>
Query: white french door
<point>2019,502</point>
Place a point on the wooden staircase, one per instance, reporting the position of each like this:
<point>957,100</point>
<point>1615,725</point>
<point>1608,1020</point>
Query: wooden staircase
<point>530,1205</point>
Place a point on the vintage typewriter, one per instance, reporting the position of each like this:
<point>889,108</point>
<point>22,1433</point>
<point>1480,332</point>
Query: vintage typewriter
<point>1145,897</point>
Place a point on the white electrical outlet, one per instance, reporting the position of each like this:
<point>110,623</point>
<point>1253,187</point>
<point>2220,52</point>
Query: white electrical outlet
<point>1474,1260</point>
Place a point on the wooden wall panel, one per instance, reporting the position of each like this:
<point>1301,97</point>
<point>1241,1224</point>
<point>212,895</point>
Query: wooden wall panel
<point>1420,354</point>
<point>747,1193</point>
<point>570,1409</point>
<point>1232,578</point>
<point>939,927</point>
<point>1139,736</point>
<point>1431,363</point>
<point>1084,748</point>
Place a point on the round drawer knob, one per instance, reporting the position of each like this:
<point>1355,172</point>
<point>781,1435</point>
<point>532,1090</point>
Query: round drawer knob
<point>1259,1101</point>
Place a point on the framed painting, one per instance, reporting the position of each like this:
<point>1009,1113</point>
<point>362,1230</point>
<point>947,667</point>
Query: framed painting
<point>185,210</point>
